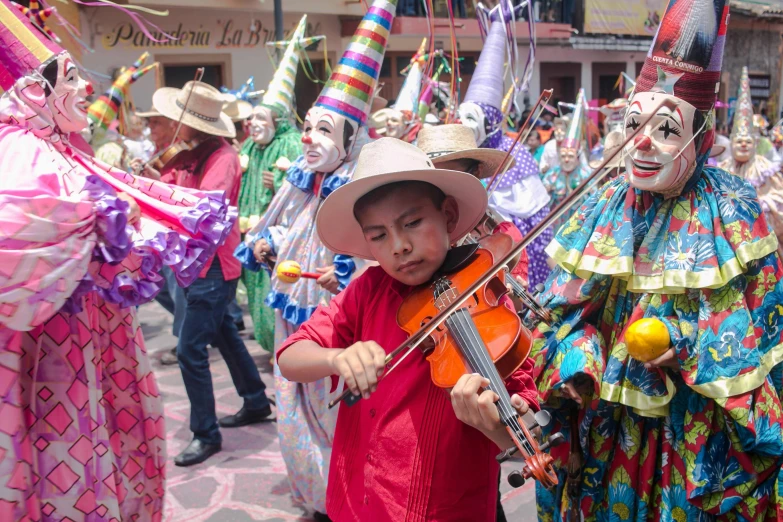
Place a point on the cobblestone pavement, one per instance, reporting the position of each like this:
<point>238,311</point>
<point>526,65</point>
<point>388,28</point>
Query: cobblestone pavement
<point>246,481</point>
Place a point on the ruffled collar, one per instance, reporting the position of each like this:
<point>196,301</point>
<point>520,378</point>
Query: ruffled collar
<point>756,171</point>
<point>303,178</point>
<point>702,238</point>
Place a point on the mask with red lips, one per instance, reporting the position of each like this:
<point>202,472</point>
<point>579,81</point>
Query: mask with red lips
<point>66,94</point>
<point>665,157</point>
<point>327,139</point>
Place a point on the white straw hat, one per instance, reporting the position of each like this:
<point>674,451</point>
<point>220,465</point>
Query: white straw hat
<point>204,111</point>
<point>389,160</point>
<point>454,141</point>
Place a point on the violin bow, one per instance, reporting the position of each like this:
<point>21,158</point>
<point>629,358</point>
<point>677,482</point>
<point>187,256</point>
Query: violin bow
<point>197,78</point>
<point>525,130</point>
<point>425,331</point>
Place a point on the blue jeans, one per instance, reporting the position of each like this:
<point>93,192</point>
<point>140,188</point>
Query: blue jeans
<point>206,319</point>
<point>172,298</point>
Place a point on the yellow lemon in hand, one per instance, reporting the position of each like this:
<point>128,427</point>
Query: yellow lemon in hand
<point>647,339</point>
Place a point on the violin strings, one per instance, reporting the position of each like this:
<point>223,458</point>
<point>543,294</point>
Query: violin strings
<point>480,361</point>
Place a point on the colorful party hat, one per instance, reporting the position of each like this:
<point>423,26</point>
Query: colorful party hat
<point>408,98</point>
<point>486,85</point>
<point>350,88</point>
<point>425,99</point>
<point>116,101</point>
<point>280,93</point>
<point>23,48</point>
<point>743,113</point>
<point>687,53</point>
<point>573,139</point>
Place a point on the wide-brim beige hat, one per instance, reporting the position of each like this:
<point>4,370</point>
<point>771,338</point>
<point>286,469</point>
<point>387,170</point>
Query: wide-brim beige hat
<point>389,160</point>
<point>453,142</point>
<point>204,111</point>
<point>237,110</point>
<point>612,142</point>
<point>152,113</point>
<point>717,150</point>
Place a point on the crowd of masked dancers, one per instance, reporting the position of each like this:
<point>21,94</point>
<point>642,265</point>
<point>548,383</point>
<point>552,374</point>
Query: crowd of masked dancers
<point>648,313</point>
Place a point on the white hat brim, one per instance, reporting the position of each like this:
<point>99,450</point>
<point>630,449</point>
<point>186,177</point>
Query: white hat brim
<point>165,102</point>
<point>341,233</point>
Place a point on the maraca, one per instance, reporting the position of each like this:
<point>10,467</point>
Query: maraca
<point>290,272</point>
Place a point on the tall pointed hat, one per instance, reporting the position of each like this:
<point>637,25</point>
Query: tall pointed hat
<point>486,84</point>
<point>576,127</point>
<point>23,48</point>
<point>280,93</point>
<point>743,113</point>
<point>116,101</point>
<point>350,89</point>
<point>687,53</point>
<point>408,98</point>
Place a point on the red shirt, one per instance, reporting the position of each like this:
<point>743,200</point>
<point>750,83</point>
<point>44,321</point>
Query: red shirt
<point>213,165</point>
<point>402,454</point>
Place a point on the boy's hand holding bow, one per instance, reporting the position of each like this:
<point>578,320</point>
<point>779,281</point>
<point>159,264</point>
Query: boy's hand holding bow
<point>360,365</point>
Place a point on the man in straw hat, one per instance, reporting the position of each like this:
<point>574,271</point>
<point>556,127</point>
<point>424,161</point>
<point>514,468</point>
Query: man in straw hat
<point>273,143</point>
<point>212,165</point>
<point>334,131</point>
<point>394,452</point>
<point>686,427</point>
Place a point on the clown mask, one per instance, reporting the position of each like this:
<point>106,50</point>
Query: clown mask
<point>665,154</point>
<point>559,132</point>
<point>327,139</point>
<point>474,118</point>
<point>262,125</point>
<point>569,159</point>
<point>395,124</point>
<point>743,148</point>
<point>66,94</point>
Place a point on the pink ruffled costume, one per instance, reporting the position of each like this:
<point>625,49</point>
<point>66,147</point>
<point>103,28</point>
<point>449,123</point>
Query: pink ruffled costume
<point>81,421</point>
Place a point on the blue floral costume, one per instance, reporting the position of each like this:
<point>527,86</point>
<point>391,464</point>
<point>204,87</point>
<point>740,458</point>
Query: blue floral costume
<point>700,444</point>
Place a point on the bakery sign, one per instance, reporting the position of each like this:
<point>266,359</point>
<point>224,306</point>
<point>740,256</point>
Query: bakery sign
<point>225,34</point>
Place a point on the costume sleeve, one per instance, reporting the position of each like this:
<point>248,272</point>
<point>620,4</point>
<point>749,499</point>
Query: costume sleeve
<point>273,225</point>
<point>344,269</point>
<point>47,244</point>
<point>521,382</point>
<point>572,345</point>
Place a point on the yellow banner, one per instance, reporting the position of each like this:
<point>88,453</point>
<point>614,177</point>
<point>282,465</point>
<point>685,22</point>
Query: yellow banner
<point>630,17</point>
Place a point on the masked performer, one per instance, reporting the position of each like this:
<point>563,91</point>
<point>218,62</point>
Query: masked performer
<point>563,179</point>
<point>519,196</point>
<point>754,168</point>
<point>694,433</point>
<point>332,128</point>
<point>402,118</point>
<point>82,434</point>
<point>273,143</point>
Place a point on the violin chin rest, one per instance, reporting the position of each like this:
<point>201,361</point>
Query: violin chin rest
<point>458,257</point>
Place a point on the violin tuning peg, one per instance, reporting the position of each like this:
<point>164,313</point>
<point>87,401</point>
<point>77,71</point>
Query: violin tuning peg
<point>506,454</point>
<point>555,439</point>
<point>516,479</point>
<point>539,288</point>
<point>542,419</point>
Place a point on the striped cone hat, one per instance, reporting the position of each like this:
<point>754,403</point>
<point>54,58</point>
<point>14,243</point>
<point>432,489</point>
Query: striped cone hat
<point>575,135</point>
<point>743,113</point>
<point>280,93</point>
<point>114,103</point>
<point>408,98</point>
<point>350,89</point>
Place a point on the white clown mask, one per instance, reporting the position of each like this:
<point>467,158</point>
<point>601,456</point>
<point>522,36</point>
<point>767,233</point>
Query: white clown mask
<point>67,95</point>
<point>743,148</point>
<point>665,154</point>
<point>327,139</point>
<point>472,116</point>
<point>262,125</point>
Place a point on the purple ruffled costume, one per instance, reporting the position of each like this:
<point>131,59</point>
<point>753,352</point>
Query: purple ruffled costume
<point>82,434</point>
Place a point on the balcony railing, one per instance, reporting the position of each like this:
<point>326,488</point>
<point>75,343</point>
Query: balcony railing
<point>547,11</point>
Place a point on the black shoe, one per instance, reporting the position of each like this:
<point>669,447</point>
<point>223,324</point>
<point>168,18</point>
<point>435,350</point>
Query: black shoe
<point>321,517</point>
<point>245,417</point>
<point>169,358</point>
<point>196,452</point>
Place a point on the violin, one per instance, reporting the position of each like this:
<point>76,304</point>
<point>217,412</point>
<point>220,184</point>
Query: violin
<point>162,158</point>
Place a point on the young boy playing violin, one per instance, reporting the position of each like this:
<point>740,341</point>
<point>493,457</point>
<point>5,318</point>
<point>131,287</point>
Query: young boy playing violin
<point>409,450</point>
